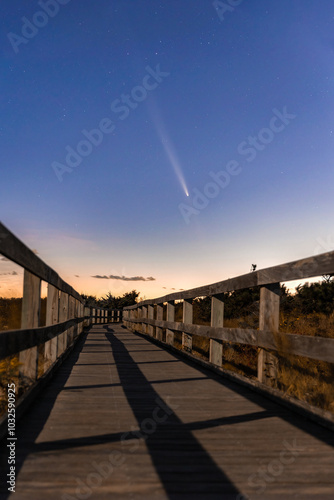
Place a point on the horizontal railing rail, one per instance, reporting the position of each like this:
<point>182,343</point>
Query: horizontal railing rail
<point>66,314</point>
<point>13,249</point>
<point>147,317</point>
<point>311,267</point>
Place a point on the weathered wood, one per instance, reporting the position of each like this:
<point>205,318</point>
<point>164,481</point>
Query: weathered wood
<point>63,316</point>
<point>206,438</point>
<point>187,341</point>
<point>16,341</point>
<point>52,315</point>
<point>16,251</point>
<point>269,320</point>
<point>138,313</point>
<point>71,315</point>
<point>170,318</point>
<point>217,320</point>
<point>160,312</point>
<point>31,305</point>
<point>318,348</point>
<point>144,316</point>
<point>317,265</point>
<point>150,315</point>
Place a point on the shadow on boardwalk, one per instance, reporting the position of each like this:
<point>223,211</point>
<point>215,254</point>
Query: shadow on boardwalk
<point>164,448</point>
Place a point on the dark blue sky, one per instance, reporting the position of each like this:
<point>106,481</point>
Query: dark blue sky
<point>226,79</point>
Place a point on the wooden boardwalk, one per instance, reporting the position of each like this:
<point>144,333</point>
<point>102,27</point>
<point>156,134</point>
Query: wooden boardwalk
<point>124,418</point>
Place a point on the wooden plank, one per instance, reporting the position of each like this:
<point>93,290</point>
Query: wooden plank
<point>16,251</point>
<point>187,342</point>
<point>144,316</point>
<point>318,348</point>
<point>52,315</point>
<point>138,313</point>
<point>269,320</point>
<point>317,265</point>
<point>63,316</point>
<point>177,432</point>
<point>71,315</point>
<point>31,306</point>
<point>160,312</point>
<point>171,320</point>
<point>16,341</point>
<point>217,320</point>
<point>150,315</point>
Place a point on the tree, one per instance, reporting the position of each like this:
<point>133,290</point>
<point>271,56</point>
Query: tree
<point>111,302</point>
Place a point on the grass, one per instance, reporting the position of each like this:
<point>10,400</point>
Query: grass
<point>303,378</point>
<point>306,379</point>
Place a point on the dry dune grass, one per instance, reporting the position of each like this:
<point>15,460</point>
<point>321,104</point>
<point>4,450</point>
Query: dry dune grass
<point>304,378</point>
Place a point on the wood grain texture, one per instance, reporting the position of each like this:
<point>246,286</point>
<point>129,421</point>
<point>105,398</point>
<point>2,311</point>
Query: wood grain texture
<point>155,427</point>
<point>310,267</point>
<point>31,307</point>
<point>16,251</point>
<point>52,315</point>
<point>285,343</point>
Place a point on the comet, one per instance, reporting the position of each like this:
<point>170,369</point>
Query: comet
<point>168,147</point>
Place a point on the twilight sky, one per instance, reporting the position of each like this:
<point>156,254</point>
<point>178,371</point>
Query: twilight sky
<point>166,141</point>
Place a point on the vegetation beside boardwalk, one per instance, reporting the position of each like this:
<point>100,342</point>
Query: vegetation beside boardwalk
<point>310,311</point>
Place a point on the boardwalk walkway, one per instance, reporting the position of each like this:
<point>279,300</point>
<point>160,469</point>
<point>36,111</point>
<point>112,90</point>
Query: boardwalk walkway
<point>124,418</point>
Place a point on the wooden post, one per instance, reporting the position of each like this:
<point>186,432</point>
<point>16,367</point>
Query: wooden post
<point>82,314</point>
<point>170,317</point>
<point>31,305</point>
<point>118,316</point>
<point>217,319</point>
<point>269,320</point>
<point>71,315</point>
<point>63,316</point>
<point>144,316</point>
<point>87,312</point>
<point>150,315</point>
<point>52,315</point>
<point>187,341</point>
<point>76,316</point>
<point>133,316</point>
<point>160,312</point>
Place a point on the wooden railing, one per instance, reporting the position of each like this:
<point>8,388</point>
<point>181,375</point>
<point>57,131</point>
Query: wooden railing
<point>147,317</point>
<point>66,315</point>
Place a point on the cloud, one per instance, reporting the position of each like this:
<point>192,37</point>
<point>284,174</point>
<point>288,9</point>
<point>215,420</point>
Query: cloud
<point>124,278</point>
<point>77,276</point>
<point>14,273</point>
<point>4,258</point>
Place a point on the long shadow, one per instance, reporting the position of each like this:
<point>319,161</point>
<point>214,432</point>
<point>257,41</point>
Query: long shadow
<point>293,418</point>
<point>181,462</point>
<point>28,429</point>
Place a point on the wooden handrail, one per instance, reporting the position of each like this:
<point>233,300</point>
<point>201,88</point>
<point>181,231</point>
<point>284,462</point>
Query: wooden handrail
<point>269,341</point>
<point>13,249</point>
<point>65,312</point>
<point>310,267</point>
